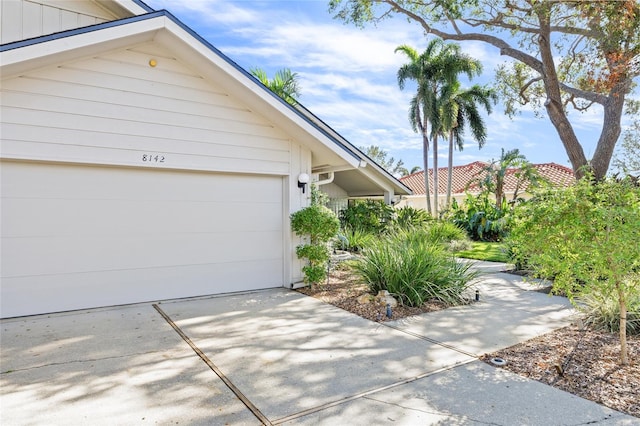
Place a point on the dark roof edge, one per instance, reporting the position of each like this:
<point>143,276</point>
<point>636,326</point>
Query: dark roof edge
<point>143,5</point>
<point>76,31</point>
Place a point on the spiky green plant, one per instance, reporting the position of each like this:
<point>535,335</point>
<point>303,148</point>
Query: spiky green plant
<point>414,268</point>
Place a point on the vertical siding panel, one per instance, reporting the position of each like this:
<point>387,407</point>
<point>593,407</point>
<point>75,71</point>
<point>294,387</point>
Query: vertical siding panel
<point>31,20</point>
<point>50,20</point>
<point>11,21</point>
<point>68,20</point>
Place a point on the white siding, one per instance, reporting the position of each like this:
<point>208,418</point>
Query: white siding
<point>23,19</point>
<point>116,109</point>
<point>80,236</point>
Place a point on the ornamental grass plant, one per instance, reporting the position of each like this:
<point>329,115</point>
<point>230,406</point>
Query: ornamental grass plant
<point>415,267</point>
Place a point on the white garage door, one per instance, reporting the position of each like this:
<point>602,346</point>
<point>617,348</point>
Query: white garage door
<point>78,236</point>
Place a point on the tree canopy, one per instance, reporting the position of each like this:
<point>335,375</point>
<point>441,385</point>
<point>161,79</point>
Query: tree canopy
<point>566,54</point>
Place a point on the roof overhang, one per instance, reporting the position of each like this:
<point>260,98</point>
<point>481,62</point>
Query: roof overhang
<point>356,173</point>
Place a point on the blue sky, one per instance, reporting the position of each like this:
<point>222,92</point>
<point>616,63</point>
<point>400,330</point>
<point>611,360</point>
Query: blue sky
<point>348,76</point>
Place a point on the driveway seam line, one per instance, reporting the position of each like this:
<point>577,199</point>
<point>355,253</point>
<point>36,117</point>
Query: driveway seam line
<point>369,392</point>
<point>435,342</point>
<point>256,412</point>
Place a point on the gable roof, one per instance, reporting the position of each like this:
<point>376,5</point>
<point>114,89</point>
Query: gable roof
<point>329,148</point>
<point>464,178</point>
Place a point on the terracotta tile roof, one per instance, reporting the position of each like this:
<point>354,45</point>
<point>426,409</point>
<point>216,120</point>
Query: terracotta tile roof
<point>464,176</point>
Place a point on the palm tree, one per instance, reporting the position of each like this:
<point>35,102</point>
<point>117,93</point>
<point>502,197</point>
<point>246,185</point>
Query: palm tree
<point>438,66</point>
<point>420,69</point>
<point>284,83</point>
<point>460,108</point>
<point>496,171</point>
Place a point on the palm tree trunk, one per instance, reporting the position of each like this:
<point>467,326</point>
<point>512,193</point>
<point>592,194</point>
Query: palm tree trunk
<point>435,176</point>
<point>425,155</point>
<point>450,169</point>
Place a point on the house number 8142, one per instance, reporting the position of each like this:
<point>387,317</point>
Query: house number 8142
<point>153,158</point>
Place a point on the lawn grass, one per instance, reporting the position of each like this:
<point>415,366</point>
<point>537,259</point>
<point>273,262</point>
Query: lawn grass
<point>491,252</point>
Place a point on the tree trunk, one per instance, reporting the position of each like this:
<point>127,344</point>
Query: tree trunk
<point>624,354</point>
<point>436,188</point>
<point>554,104</point>
<point>450,170</point>
<point>425,158</point>
<point>611,129</point>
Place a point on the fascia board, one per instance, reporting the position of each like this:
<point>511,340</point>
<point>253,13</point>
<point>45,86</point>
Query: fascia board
<point>57,48</point>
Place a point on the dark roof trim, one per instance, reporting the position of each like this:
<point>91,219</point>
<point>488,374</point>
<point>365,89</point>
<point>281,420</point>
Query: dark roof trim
<point>143,5</point>
<point>76,31</point>
<point>303,112</point>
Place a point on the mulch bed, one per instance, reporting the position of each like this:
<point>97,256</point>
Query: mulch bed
<point>588,359</point>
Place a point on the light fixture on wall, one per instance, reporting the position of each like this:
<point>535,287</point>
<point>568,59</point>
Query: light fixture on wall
<point>303,180</point>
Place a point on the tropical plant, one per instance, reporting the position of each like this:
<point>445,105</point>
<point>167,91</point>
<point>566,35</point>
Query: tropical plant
<point>355,240</point>
<point>409,217</point>
<point>566,54</point>
<point>284,83</point>
<point>369,216</point>
<point>586,238</point>
<point>479,216</point>
<point>318,225</point>
<point>460,108</point>
<point>434,71</point>
<point>493,175</point>
<point>414,269</point>
<point>445,232</point>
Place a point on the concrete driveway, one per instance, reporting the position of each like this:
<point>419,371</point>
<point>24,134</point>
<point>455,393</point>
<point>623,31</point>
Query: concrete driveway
<point>279,357</point>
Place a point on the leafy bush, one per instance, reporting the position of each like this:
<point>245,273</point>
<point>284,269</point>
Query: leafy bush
<point>414,268</point>
<point>355,240</point>
<point>480,218</point>
<point>369,216</point>
<point>409,217</point>
<point>319,225</point>
<point>586,238</point>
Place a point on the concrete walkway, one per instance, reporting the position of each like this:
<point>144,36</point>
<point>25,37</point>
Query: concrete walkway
<point>279,357</point>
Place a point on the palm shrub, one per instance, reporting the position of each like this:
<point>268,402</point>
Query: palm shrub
<point>369,216</point>
<point>414,268</point>
<point>355,240</point>
<point>480,217</point>
<point>409,217</point>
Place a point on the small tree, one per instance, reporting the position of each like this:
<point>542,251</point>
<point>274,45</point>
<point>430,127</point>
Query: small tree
<point>586,238</point>
<point>319,225</point>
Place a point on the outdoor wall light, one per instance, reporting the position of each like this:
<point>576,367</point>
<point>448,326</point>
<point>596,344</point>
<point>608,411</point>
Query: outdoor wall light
<point>303,180</point>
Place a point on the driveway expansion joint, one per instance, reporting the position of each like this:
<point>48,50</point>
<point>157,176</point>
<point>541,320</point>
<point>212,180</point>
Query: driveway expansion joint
<point>254,410</point>
<point>76,361</point>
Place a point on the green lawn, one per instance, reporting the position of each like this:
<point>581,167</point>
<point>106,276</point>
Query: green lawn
<point>491,252</point>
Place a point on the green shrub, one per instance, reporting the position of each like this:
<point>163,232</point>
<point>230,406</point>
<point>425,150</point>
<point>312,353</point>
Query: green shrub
<point>355,240</point>
<point>414,269</point>
<point>586,238</point>
<point>480,218</point>
<point>445,232</point>
<point>369,216</point>
<point>409,217</point>
<point>319,225</point>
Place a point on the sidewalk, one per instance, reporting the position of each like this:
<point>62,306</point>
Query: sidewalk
<point>292,358</point>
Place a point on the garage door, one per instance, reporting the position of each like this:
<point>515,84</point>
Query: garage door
<point>78,236</point>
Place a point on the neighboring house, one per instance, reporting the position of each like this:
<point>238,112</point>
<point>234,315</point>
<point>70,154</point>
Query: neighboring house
<point>465,179</point>
<point>139,163</point>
